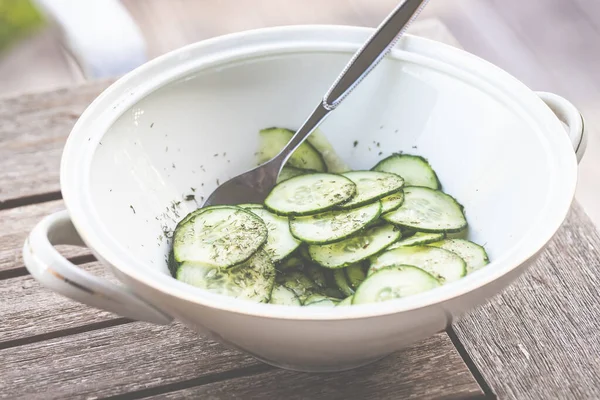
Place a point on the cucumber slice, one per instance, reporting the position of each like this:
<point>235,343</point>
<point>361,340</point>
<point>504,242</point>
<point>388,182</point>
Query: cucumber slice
<point>334,163</point>
<point>197,212</point>
<point>309,194</point>
<point>252,280</point>
<point>283,296</point>
<point>186,219</point>
<point>419,238</point>
<point>316,274</point>
<point>415,170</point>
<point>317,300</point>
<point>280,242</point>
<point>392,202</point>
<point>428,210</point>
<point>354,249</point>
<point>346,302</point>
<point>221,236</point>
<point>342,282</point>
<point>394,282</point>
<point>474,255</point>
<point>332,292</point>
<point>273,140</point>
<point>299,283</point>
<point>378,222</point>
<point>250,206</point>
<point>290,172</point>
<point>371,186</point>
<point>303,251</point>
<point>327,302</point>
<point>355,274</point>
<point>289,263</point>
<point>442,264</point>
<point>407,232</point>
<point>333,226</point>
<point>458,235</point>
<point>172,264</point>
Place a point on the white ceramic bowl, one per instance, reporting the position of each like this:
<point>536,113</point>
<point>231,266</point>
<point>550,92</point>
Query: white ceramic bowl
<point>153,135</point>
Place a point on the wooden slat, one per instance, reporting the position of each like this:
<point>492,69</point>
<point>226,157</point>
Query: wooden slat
<point>112,361</point>
<point>16,224</point>
<point>148,359</point>
<point>540,339</point>
<point>32,135</point>
<point>29,310</point>
<point>392,378</point>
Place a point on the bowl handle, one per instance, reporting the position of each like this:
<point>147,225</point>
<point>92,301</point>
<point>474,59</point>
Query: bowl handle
<point>54,271</point>
<point>570,116</point>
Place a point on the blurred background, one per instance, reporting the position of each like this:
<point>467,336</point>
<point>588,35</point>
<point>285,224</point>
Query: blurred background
<point>550,45</point>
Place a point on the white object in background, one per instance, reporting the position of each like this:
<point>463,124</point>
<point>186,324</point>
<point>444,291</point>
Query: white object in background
<point>100,34</point>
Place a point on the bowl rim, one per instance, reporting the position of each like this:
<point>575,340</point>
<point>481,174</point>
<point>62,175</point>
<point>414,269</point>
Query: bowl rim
<point>129,89</point>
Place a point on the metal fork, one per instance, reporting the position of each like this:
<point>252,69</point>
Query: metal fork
<point>253,186</point>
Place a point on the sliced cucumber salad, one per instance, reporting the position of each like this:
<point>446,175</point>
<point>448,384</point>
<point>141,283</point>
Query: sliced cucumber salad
<point>328,236</point>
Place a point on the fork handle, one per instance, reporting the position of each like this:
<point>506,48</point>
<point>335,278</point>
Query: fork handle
<point>373,51</point>
<point>363,62</point>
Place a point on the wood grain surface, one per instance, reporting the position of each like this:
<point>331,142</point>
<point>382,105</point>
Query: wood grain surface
<point>112,361</point>
<point>18,222</point>
<point>540,339</point>
<point>390,378</point>
<point>33,132</point>
<point>140,359</point>
<point>32,312</point>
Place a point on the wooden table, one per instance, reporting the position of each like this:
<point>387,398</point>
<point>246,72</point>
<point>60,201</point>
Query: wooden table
<point>538,340</point>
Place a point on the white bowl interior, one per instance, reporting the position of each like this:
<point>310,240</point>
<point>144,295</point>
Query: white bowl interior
<point>185,137</point>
